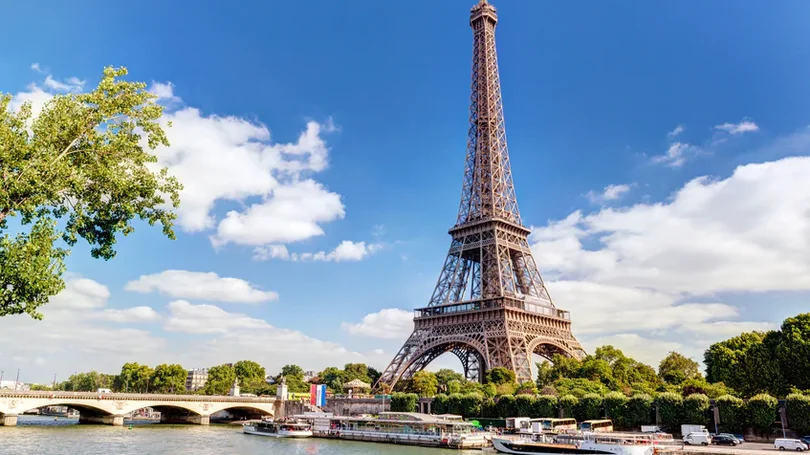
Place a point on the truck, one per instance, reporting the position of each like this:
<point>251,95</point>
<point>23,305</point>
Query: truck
<point>103,391</point>
<point>650,429</point>
<point>686,429</point>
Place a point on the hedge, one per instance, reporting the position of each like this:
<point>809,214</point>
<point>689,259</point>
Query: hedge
<point>589,407</point>
<point>568,404</point>
<point>524,405</point>
<point>798,412</point>
<point>695,409</point>
<point>404,402</point>
<point>670,407</point>
<point>761,412</point>
<point>614,404</point>
<point>545,406</point>
<point>732,414</point>
<point>638,411</point>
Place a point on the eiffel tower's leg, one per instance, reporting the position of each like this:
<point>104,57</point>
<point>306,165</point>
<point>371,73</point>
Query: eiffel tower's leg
<point>392,374</point>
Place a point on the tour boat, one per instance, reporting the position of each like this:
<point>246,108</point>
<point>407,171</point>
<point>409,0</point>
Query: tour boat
<point>584,444</point>
<point>278,429</point>
<point>409,428</point>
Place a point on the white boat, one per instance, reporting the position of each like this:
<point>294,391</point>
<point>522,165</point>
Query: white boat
<point>586,444</point>
<point>279,429</point>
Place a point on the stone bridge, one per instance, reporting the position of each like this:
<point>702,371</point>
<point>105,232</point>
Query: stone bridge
<point>112,408</point>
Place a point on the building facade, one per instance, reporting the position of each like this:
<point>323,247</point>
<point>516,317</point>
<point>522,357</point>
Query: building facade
<point>196,379</point>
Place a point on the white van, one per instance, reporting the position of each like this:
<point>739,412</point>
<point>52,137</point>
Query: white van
<point>694,439</point>
<point>790,444</point>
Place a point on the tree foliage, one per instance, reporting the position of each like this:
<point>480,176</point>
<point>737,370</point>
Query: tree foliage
<point>615,408</point>
<point>220,380</point>
<point>589,407</point>
<point>524,405</point>
<point>424,383</point>
<point>568,405</point>
<point>638,410</point>
<point>545,406</point>
<point>169,379</point>
<point>81,160</point>
<point>670,407</point>
<point>676,368</point>
<point>134,377</point>
<point>793,351</point>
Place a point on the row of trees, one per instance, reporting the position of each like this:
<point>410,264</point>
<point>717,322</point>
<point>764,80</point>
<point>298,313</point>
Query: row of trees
<point>775,362</point>
<point>758,413</point>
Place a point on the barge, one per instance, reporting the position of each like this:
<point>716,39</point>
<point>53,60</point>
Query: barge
<point>408,428</point>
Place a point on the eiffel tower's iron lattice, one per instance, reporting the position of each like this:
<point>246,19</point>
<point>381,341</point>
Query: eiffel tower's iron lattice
<point>490,306</point>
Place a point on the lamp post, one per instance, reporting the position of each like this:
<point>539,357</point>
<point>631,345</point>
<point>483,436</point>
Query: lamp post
<point>17,381</point>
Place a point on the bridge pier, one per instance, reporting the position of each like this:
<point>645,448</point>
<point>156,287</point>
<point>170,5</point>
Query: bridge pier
<point>8,420</point>
<point>192,419</point>
<point>102,420</point>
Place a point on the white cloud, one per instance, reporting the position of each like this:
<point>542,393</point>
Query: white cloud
<point>71,84</point>
<point>207,286</point>
<point>292,213</point>
<point>676,155</point>
<point>610,193</point>
<point>134,314</point>
<point>164,92</point>
<point>188,318</point>
<point>745,126</point>
<point>35,66</point>
<point>389,323</point>
<point>656,268</point>
<point>347,250</point>
<point>80,294</point>
<point>232,159</point>
<point>749,232</point>
<point>678,130</point>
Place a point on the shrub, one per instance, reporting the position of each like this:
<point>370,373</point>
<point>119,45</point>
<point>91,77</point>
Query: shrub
<point>506,406</point>
<point>670,409</point>
<point>568,404</point>
<point>614,404</point>
<point>489,408</point>
<point>454,405</point>
<point>524,405</point>
<point>761,412</point>
<point>798,412</point>
<point>440,404</point>
<point>545,406</point>
<point>638,410</point>
<point>404,402</point>
<point>695,407</point>
<point>732,414</point>
<point>589,407</point>
<point>471,404</point>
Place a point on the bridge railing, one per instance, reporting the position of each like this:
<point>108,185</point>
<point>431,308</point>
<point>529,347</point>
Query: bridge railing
<point>130,396</point>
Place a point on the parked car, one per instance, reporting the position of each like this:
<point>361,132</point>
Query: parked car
<point>740,438</point>
<point>697,439</point>
<point>725,439</point>
<point>790,444</point>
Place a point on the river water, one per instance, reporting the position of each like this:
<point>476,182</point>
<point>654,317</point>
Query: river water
<point>36,435</point>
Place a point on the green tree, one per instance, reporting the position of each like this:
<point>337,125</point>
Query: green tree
<point>676,368</point>
<point>424,383</point>
<point>440,404</point>
<point>354,371</point>
<point>445,376</point>
<point>507,406</point>
<point>732,413</point>
<point>220,380</point>
<point>793,351</point>
<point>500,375</point>
<point>292,371</point>
<point>373,375</point>
<point>747,363</point>
<point>333,377</point>
<point>761,412</point>
<point>134,377</point>
<point>579,387</point>
<point>168,379</point>
<point>545,372</point>
<point>471,404</point>
<point>81,159</point>
<point>248,370</point>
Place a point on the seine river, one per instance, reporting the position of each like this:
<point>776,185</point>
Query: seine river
<point>35,435</point>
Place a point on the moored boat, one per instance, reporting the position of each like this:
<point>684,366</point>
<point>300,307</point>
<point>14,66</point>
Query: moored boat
<point>280,429</point>
<point>585,444</point>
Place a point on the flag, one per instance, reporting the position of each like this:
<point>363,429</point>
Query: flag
<point>312,395</point>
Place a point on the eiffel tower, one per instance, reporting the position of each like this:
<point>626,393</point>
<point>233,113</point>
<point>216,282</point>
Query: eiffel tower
<point>490,307</point>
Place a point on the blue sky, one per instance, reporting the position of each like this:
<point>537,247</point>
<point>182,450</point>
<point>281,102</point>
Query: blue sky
<point>591,96</point>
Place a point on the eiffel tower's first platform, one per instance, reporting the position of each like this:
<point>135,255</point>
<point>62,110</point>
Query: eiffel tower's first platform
<point>490,306</point>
